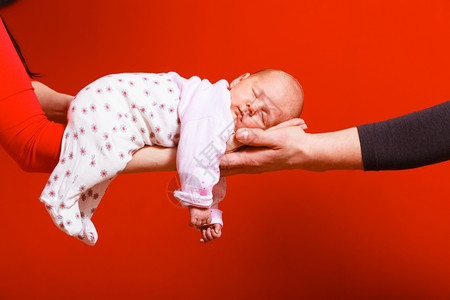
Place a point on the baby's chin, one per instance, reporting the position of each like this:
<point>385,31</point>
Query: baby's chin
<point>236,122</point>
<point>239,125</point>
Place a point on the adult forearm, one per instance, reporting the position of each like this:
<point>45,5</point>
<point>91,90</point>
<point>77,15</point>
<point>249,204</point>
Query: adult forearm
<point>340,150</point>
<point>152,159</point>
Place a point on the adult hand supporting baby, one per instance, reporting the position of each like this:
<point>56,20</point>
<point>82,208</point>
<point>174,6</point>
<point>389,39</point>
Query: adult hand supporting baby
<point>287,146</point>
<point>53,103</point>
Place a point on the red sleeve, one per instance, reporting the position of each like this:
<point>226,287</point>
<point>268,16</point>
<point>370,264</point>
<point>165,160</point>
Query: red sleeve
<point>25,133</point>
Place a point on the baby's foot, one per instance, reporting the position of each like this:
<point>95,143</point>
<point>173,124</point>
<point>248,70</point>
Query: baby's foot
<point>210,232</point>
<point>199,216</point>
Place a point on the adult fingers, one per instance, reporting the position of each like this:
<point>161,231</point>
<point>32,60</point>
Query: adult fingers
<point>257,137</point>
<point>249,161</point>
<point>289,123</point>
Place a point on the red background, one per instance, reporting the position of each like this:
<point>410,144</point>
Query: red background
<point>292,234</point>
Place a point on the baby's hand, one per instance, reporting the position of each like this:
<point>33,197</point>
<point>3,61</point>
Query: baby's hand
<point>210,232</point>
<point>199,216</point>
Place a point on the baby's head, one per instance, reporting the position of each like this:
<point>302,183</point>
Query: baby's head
<point>264,99</point>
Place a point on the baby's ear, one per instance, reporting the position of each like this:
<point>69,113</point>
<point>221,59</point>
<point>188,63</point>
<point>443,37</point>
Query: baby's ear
<point>237,80</point>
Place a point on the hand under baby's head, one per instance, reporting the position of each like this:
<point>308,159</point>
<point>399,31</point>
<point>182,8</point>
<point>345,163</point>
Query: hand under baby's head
<point>264,99</point>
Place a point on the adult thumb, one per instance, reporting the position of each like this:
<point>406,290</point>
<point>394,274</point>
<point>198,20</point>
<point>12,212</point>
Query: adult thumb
<point>257,137</point>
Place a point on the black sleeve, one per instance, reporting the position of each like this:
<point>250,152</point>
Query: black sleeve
<point>410,141</point>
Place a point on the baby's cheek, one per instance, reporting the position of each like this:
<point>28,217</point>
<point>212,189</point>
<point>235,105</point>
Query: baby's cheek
<point>252,122</point>
<point>278,120</point>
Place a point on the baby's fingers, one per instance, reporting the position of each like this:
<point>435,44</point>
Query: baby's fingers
<point>209,234</point>
<point>217,231</point>
<point>206,234</point>
<point>204,239</point>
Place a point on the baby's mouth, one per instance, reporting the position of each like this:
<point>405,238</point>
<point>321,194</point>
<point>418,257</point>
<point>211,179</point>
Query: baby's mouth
<point>240,115</point>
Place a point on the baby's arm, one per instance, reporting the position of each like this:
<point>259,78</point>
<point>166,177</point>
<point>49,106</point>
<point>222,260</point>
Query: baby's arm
<point>205,128</point>
<point>214,228</point>
<point>201,216</point>
<point>197,169</point>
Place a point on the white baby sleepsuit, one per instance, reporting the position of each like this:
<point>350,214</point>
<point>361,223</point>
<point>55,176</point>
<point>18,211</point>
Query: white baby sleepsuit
<point>118,114</point>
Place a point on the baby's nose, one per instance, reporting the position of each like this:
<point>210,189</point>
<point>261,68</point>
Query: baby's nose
<point>251,110</point>
<point>243,108</point>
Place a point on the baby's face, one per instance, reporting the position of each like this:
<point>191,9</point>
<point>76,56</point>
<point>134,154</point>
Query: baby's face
<point>264,100</point>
